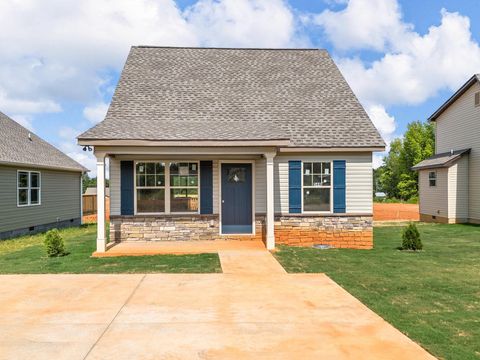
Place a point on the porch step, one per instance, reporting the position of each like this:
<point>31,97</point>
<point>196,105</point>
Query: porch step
<point>141,248</point>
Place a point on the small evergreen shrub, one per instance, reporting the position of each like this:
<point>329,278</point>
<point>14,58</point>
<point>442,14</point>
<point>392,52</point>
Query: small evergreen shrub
<point>411,238</point>
<point>54,243</point>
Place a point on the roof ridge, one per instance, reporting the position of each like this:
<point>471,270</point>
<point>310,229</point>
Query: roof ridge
<point>224,48</point>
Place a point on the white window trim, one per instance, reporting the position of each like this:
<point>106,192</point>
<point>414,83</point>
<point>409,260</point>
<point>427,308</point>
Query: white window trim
<point>29,188</point>
<point>319,187</point>
<point>166,187</point>
<point>429,178</point>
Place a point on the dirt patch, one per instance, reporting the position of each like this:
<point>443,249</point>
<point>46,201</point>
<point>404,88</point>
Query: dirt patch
<point>395,212</point>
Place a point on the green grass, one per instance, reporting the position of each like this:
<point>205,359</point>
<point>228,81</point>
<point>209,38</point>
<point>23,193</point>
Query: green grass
<point>26,255</point>
<point>433,296</point>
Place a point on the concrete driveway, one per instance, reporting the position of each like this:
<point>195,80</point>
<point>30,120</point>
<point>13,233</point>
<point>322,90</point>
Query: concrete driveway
<point>241,314</point>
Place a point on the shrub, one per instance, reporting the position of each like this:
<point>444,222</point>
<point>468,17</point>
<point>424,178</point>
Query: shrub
<point>54,243</point>
<point>411,238</point>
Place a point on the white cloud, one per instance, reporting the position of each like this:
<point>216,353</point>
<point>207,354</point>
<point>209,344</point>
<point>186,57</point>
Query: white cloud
<point>386,125</point>
<point>26,106</point>
<point>66,52</point>
<point>68,145</point>
<point>95,113</point>
<point>63,52</point>
<point>24,120</point>
<point>364,24</point>
<point>242,23</point>
<point>443,58</point>
<point>382,121</point>
<point>414,67</point>
<point>56,51</point>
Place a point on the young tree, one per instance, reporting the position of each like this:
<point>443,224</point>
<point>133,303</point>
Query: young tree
<point>397,179</point>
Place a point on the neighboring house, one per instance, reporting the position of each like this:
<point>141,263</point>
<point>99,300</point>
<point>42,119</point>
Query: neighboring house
<point>448,182</point>
<point>209,144</point>
<point>40,187</point>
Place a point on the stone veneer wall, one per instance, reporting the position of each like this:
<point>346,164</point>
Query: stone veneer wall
<point>295,230</point>
<point>174,228</point>
<point>355,232</point>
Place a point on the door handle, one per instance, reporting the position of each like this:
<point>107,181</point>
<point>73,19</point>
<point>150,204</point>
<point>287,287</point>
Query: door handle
<point>223,201</point>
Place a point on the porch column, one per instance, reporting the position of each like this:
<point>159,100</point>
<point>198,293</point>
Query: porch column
<point>270,218</point>
<point>101,238</point>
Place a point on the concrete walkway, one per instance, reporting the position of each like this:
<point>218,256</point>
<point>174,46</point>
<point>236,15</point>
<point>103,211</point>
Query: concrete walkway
<point>252,311</point>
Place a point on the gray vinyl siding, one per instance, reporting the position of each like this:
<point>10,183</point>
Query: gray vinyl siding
<point>60,199</point>
<point>434,199</point>
<point>458,127</point>
<point>359,181</point>
<point>114,166</point>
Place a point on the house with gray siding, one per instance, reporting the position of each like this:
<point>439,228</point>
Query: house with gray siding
<point>220,144</point>
<point>449,190</point>
<point>40,187</point>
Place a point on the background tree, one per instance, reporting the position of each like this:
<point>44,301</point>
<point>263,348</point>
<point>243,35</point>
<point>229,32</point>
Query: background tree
<point>91,182</point>
<point>396,178</point>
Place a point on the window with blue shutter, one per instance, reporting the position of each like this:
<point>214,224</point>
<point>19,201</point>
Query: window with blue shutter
<point>339,186</point>
<point>294,186</point>
<point>126,187</point>
<point>206,187</point>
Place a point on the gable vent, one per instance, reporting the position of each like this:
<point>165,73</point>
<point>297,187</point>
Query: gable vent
<point>477,98</point>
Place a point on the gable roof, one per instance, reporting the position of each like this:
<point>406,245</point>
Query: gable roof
<point>446,159</point>
<point>288,96</point>
<point>19,146</point>
<point>475,78</point>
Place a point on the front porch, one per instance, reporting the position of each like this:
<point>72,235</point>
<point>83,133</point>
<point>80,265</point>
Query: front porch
<point>173,195</point>
<point>141,248</point>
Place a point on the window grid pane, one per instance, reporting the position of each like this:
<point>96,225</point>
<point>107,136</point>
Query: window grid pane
<point>316,186</point>
<point>316,174</point>
<point>184,175</point>
<point>150,175</point>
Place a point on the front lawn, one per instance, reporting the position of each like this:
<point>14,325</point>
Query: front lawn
<point>26,255</point>
<point>432,296</point>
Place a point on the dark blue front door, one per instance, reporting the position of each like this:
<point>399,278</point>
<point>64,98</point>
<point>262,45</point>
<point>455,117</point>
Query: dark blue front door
<point>236,198</point>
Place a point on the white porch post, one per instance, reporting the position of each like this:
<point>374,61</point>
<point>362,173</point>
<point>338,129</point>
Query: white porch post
<point>270,202</point>
<point>101,238</point>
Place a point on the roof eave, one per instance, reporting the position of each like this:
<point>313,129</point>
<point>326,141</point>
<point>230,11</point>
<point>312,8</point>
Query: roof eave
<point>81,169</point>
<point>475,78</point>
<point>333,149</point>
<point>183,143</point>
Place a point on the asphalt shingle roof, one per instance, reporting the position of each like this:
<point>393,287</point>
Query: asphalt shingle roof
<point>235,94</point>
<point>17,148</point>
<point>445,159</point>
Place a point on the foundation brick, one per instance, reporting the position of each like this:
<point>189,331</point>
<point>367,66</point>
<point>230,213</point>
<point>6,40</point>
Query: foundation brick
<point>354,232</point>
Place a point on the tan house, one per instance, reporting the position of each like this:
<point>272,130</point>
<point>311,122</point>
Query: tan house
<point>448,182</point>
<point>209,143</point>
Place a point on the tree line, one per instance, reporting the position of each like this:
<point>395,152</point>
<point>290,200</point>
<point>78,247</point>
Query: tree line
<point>395,177</point>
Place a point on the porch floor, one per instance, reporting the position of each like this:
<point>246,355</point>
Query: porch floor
<point>141,248</point>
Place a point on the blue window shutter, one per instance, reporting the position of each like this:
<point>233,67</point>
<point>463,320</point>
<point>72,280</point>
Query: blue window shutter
<point>126,187</point>
<point>294,187</point>
<point>206,187</point>
<point>339,180</point>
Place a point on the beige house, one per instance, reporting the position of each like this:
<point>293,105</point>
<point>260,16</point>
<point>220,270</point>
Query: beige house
<point>243,144</point>
<point>449,183</point>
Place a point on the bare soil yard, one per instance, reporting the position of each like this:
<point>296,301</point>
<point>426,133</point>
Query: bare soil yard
<point>393,212</point>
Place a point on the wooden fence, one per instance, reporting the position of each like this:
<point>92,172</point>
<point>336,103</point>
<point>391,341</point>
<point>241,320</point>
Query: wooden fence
<point>89,204</point>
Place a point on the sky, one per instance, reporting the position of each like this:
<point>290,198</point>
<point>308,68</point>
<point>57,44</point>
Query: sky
<point>60,60</point>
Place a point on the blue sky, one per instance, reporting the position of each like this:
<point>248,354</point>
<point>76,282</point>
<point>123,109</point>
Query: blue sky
<point>60,59</point>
